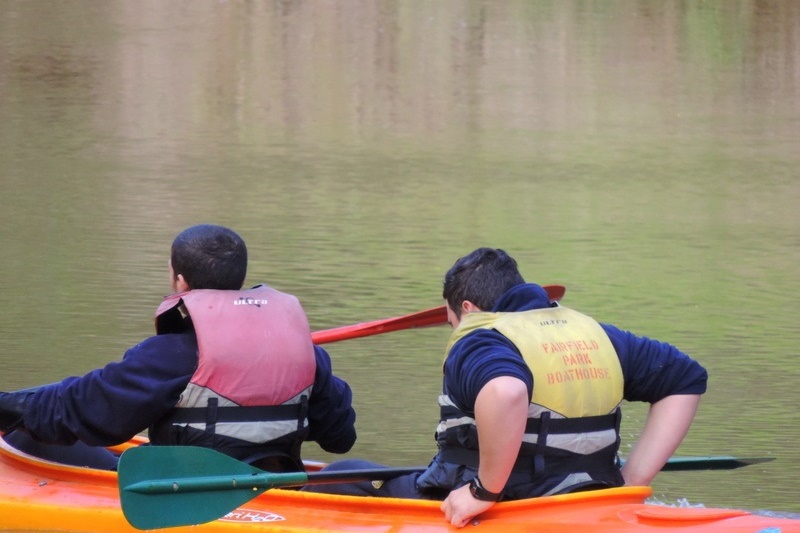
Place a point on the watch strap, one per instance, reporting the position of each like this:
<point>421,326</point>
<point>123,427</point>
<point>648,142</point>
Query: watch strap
<point>479,492</point>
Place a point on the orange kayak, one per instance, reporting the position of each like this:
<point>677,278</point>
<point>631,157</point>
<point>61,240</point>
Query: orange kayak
<point>38,495</point>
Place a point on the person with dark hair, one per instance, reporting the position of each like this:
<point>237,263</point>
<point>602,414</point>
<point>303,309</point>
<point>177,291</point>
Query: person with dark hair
<point>531,398</point>
<point>229,369</point>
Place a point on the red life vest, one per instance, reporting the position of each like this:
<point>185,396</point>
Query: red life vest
<point>256,362</point>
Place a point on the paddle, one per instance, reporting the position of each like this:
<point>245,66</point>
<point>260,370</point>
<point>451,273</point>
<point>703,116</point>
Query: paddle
<point>166,486</point>
<point>717,462</point>
<point>430,317</point>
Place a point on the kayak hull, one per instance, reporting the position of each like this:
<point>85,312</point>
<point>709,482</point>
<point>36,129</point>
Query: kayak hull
<point>38,495</point>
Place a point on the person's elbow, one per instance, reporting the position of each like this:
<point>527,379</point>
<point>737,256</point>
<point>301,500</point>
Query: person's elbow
<point>343,443</point>
<point>334,430</point>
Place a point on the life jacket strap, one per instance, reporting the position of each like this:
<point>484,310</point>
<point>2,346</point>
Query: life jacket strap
<point>533,457</point>
<point>212,413</point>
<point>587,424</point>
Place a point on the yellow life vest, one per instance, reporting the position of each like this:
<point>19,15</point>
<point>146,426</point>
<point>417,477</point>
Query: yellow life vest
<point>575,368</point>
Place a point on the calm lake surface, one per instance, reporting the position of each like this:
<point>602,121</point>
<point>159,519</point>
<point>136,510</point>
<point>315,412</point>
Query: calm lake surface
<point>645,154</point>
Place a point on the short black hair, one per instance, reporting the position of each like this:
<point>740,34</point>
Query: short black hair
<point>481,277</point>
<point>210,257</point>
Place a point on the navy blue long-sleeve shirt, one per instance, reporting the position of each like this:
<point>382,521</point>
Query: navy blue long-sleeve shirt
<point>112,404</point>
<point>652,370</point>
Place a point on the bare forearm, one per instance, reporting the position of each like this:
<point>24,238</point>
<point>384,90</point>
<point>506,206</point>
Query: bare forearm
<point>501,411</point>
<point>666,426</point>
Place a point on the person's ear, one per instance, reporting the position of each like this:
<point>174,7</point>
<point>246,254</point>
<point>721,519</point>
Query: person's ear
<point>180,284</point>
<point>469,307</point>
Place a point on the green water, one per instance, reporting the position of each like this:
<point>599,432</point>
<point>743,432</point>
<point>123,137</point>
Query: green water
<point>642,153</point>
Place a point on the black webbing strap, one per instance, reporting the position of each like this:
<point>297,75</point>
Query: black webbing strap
<point>214,414</point>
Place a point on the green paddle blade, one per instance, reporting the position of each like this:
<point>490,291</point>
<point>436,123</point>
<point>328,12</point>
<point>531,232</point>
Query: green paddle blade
<point>167,486</point>
<point>709,462</point>
<point>145,471</point>
<point>715,462</point>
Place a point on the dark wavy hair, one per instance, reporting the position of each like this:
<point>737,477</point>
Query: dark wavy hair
<point>481,277</point>
<point>210,257</point>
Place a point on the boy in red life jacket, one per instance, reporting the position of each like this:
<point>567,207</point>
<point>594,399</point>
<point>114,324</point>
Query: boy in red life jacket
<point>229,369</point>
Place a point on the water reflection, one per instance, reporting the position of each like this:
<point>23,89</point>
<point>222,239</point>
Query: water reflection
<point>642,153</point>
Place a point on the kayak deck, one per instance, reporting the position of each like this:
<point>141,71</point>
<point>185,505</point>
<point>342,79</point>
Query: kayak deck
<point>38,495</point>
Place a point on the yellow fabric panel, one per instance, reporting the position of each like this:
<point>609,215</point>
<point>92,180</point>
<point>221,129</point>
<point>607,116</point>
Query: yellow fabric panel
<point>575,368</point>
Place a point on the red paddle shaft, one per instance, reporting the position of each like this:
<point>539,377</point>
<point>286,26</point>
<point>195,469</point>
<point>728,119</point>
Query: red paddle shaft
<point>430,317</point>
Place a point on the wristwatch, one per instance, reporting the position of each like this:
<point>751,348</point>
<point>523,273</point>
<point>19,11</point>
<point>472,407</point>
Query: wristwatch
<point>480,493</point>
